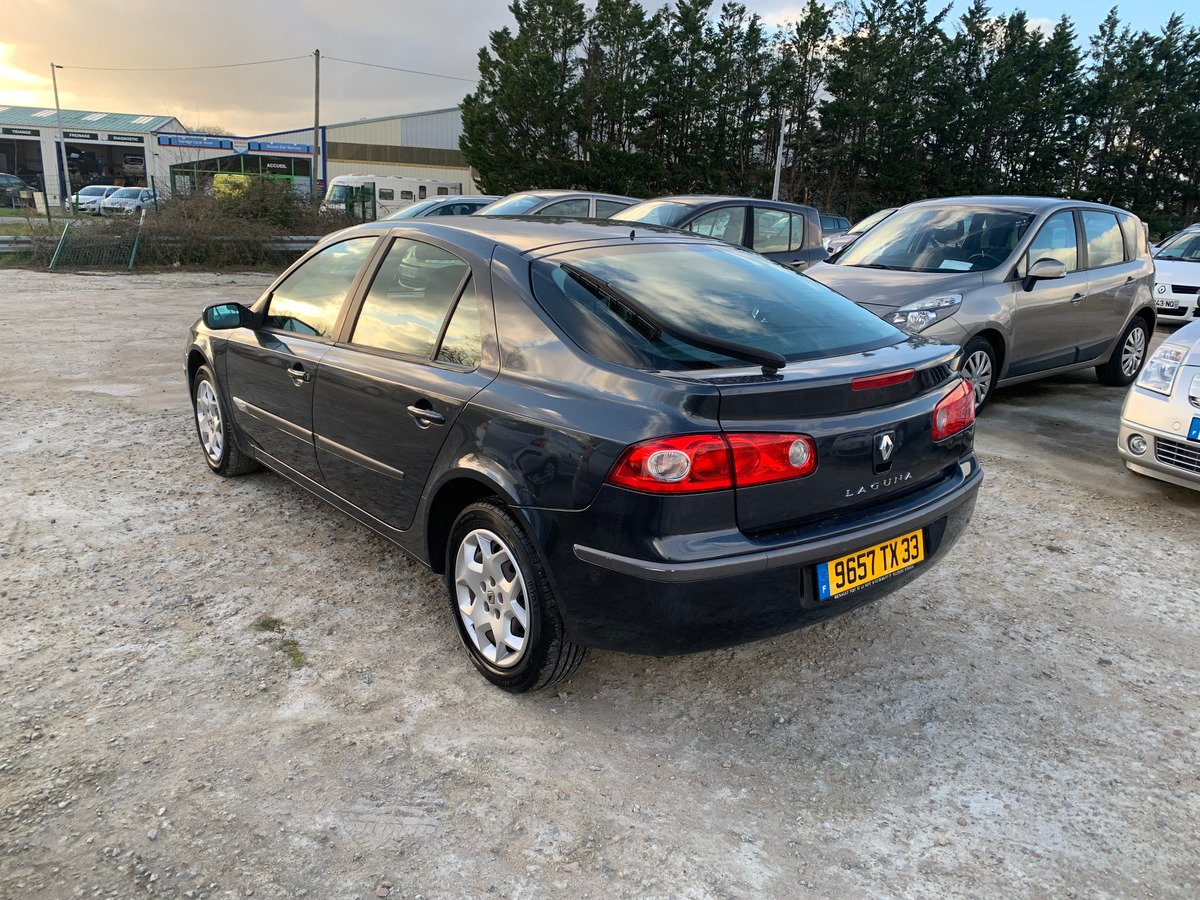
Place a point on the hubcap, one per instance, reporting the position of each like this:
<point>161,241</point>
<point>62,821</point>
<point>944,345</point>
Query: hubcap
<point>492,603</point>
<point>1132,352</point>
<point>978,371</point>
<point>208,422</point>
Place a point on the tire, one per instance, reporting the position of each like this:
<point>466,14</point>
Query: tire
<point>979,368</point>
<point>502,603</point>
<point>214,429</point>
<point>1128,356</point>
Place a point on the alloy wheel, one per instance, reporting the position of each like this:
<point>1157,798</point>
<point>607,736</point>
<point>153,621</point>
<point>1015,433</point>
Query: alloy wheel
<point>208,422</point>
<point>1133,351</point>
<point>491,599</point>
<point>978,371</point>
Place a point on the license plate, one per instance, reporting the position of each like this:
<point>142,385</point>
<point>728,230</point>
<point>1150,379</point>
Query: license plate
<point>856,570</point>
<point>1166,303</point>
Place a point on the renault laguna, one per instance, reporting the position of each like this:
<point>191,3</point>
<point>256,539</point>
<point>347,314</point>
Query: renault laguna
<point>602,435</point>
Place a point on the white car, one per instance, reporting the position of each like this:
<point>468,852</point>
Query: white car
<point>1177,277</point>
<point>1160,422</point>
<point>127,201</point>
<point>88,199</point>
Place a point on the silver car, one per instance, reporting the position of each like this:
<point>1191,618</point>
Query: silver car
<point>1160,421</point>
<point>573,204</point>
<point>1028,286</point>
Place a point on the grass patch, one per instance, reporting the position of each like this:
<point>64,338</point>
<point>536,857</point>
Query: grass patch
<point>269,624</point>
<point>291,649</point>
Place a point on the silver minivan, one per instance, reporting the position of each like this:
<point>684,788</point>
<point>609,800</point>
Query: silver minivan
<point>1028,286</point>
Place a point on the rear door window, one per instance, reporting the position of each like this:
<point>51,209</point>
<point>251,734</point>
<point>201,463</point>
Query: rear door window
<point>1105,244</point>
<point>577,207</point>
<point>606,208</point>
<point>771,230</point>
<point>412,292</point>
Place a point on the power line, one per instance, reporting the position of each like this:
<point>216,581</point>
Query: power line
<point>356,62</point>
<point>261,62</point>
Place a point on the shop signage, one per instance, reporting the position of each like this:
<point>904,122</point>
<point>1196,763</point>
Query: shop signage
<point>271,147</point>
<point>192,140</point>
<point>283,166</point>
<point>21,132</point>
<point>240,146</point>
<point>81,135</point>
<point>127,138</point>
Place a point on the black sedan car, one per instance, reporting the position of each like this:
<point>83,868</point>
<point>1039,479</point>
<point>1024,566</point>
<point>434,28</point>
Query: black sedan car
<point>603,436</point>
<point>785,232</point>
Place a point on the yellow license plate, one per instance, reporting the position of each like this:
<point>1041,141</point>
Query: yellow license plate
<point>855,570</point>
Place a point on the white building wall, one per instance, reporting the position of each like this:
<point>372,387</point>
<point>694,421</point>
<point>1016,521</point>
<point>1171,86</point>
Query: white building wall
<point>440,129</point>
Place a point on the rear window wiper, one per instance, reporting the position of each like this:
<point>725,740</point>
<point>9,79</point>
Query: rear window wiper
<point>770,361</point>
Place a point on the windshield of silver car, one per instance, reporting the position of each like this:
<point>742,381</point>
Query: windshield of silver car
<point>940,239</point>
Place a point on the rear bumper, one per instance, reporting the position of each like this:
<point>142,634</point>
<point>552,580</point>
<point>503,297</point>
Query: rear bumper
<point>668,607</point>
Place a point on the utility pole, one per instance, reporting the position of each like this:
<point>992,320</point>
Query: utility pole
<point>62,141</point>
<point>316,155</point>
<point>778,157</point>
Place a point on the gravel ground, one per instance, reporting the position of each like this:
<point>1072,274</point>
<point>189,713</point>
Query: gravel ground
<point>224,688</point>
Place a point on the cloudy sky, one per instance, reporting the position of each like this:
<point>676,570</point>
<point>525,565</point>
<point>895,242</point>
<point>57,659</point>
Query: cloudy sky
<point>92,39</point>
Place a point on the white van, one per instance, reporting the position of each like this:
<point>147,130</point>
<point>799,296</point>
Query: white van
<point>392,193</point>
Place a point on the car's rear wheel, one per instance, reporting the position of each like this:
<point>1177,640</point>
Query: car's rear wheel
<point>1128,356</point>
<point>979,368</point>
<point>502,603</point>
<point>214,429</point>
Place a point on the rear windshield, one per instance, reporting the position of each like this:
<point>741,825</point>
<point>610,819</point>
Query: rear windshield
<point>416,210</point>
<point>511,206</point>
<point>719,292</point>
<point>940,239</point>
<point>654,212</point>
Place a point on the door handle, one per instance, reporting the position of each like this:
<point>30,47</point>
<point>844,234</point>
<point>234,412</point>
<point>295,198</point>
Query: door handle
<point>426,417</point>
<point>298,375</point>
<point>1077,298</point>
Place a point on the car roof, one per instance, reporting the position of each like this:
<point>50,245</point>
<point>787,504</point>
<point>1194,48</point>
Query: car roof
<point>695,201</point>
<point>554,194</point>
<point>1015,203</point>
<point>524,234</point>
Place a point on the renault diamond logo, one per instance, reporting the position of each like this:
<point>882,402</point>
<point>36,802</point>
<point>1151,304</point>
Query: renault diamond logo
<point>886,445</point>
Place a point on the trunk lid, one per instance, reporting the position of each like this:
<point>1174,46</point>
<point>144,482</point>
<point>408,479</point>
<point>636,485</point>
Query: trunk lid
<point>873,445</point>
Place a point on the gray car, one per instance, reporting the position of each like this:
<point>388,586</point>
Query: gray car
<point>1028,286</point>
<point>572,204</point>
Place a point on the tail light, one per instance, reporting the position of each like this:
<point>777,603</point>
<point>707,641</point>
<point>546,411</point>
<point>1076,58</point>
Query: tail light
<point>710,462</point>
<point>954,412</point>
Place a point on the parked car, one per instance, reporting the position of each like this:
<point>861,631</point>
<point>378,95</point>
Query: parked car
<point>1028,286</point>
<point>456,205</point>
<point>88,199</point>
<point>574,204</point>
<point>831,225</point>
<point>785,232</point>
<point>839,242</point>
<point>127,201</point>
<point>660,444</point>
<point>1159,433</point>
<point>1177,277</point>
<point>1195,226</point>
<point>12,189</point>
<point>133,165</point>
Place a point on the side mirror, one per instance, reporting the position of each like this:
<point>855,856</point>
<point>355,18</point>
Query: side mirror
<point>227,315</point>
<point>1044,268</point>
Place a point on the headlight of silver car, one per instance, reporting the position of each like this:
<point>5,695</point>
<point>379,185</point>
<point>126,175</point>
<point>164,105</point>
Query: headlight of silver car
<point>915,317</point>
<point>1162,368</point>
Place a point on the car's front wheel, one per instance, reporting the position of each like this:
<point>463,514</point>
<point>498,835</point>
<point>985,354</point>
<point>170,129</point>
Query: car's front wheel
<point>502,603</point>
<point>979,368</point>
<point>214,429</point>
<point>1128,356</point>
